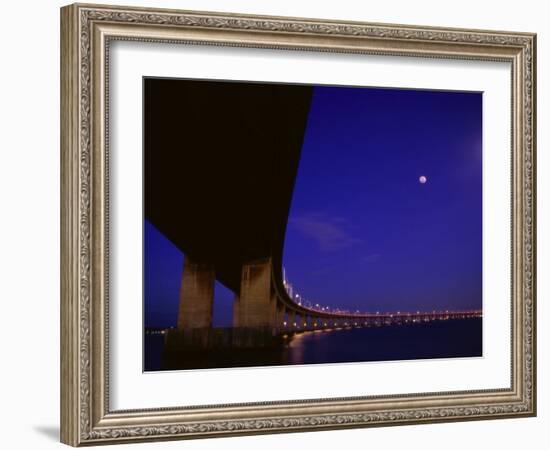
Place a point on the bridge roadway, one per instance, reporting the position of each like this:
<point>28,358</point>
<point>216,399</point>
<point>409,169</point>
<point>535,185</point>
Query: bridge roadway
<point>220,162</point>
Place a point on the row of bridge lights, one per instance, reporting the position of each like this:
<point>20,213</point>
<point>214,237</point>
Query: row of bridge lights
<point>325,324</point>
<point>316,307</point>
<point>345,324</point>
<point>306,303</point>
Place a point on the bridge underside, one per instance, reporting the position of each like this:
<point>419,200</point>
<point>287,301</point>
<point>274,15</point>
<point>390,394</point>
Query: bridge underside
<point>220,164</point>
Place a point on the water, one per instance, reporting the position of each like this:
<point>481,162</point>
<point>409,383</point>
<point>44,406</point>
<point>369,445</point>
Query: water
<point>438,339</point>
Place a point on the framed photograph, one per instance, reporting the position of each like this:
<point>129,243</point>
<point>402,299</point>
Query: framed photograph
<point>274,224</point>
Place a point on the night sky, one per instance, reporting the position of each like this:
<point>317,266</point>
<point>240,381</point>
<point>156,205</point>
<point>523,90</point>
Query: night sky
<point>363,231</point>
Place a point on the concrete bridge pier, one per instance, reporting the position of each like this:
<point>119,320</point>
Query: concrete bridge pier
<point>256,305</point>
<point>196,295</point>
<point>291,320</point>
<point>280,318</point>
<point>299,320</point>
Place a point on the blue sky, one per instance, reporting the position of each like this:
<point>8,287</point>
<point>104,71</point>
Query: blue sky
<point>363,232</point>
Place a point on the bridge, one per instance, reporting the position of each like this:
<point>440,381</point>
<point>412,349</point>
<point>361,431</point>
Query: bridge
<point>218,184</point>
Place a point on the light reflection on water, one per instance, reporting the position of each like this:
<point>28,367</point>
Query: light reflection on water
<point>446,339</point>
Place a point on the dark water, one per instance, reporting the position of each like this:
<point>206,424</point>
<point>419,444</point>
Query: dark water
<point>439,339</point>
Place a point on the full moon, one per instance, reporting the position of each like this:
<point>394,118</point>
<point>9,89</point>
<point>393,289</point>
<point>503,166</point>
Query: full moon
<point>422,179</point>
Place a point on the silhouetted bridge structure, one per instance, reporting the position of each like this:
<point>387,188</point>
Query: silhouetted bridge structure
<point>221,160</point>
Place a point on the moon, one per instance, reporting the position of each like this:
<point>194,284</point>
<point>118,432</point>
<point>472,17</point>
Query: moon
<point>422,179</point>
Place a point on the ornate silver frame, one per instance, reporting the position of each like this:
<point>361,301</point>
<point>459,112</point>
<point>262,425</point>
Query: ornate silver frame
<point>86,31</point>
